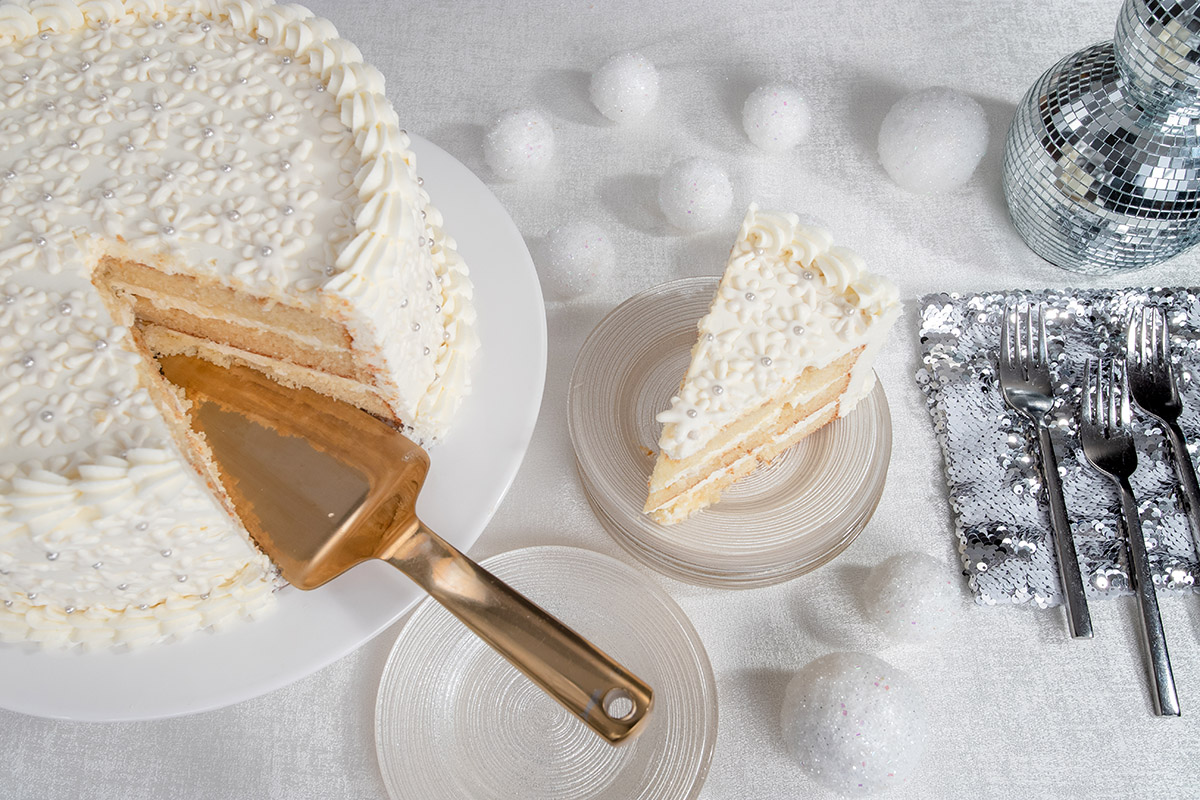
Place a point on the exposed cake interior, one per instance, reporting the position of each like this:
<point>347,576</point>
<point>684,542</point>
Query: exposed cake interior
<point>182,314</point>
<point>786,347</point>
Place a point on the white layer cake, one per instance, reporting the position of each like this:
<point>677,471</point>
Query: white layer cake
<point>221,178</point>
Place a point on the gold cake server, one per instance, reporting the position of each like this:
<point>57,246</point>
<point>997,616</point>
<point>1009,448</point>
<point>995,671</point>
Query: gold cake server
<point>322,486</point>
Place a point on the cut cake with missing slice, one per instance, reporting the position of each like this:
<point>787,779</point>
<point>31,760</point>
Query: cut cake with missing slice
<point>787,346</point>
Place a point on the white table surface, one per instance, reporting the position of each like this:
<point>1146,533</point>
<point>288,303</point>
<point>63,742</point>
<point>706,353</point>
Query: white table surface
<point>1017,708</point>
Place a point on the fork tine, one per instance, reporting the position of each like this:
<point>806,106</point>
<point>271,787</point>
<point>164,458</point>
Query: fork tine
<point>1121,379</point>
<point>1043,355</point>
<point>1164,338</point>
<point>1133,341</point>
<point>1006,361</point>
<point>1089,393</point>
<point>1027,326</point>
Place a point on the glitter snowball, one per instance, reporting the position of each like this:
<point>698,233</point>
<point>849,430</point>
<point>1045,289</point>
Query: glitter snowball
<point>932,140</point>
<point>625,88</point>
<point>695,194</point>
<point>775,117</point>
<point>574,255</point>
<point>855,723</point>
<point>910,596</point>
<point>519,144</point>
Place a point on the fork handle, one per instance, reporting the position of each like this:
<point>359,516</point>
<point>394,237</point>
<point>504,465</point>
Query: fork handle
<point>1189,489</point>
<point>1166,701</point>
<point>1078,619</point>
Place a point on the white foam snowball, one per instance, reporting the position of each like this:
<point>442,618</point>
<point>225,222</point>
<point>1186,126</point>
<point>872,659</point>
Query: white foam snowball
<point>519,144</point>
<point>911,596</point>
<point>625,88</point>
<point>855,723</point>
<point>776,117</point>
<point>932,140</point>
<point>575,255</point>
<point>695,194</point>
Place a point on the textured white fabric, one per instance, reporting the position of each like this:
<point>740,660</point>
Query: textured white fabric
<point>1016,707</point>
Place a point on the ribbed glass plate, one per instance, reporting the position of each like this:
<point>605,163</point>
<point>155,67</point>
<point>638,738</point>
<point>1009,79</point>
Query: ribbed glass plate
<point>455,720</point>
<point>787,518</point>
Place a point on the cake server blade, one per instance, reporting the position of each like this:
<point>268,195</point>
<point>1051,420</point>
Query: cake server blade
<point>322,486</point>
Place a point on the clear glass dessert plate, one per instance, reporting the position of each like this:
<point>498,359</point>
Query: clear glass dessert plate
<point>308,630</point>
<point>787,518</point>
<point>454,719</point>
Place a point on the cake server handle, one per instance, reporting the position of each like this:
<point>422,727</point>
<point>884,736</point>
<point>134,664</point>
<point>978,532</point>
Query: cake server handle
<point>608,698</point>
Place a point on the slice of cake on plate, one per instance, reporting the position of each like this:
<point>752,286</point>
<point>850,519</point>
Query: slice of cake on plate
<point>786,347</point>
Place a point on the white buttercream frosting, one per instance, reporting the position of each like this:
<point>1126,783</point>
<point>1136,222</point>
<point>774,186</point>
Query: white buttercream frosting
<point>235,140</point>
<point>788,300</point>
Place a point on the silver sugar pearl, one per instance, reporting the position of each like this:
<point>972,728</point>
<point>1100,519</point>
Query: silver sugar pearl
<point>718,389</point>
<point>243,81</point>
<point>808,276</point>
<point>288,211</point>
<point>40,241</point>
<point>145,58</point>
<point>192,68</point>
<point>266,251</point>
<point>404,303</point>
<point>142,526</point>
<point>27,362</point>
<point>168,176</point>
<point>208,133</point>
<point>204,596</point>
<point>74,145</point>
<point>100,344</point>
<point>158,24</point>
<point>65,309</point>
<point>103,98</point>
<point>166,553</point>
<point>48,105</point>
<point>445,336</point>
<point>25,77</point>
<point>69,609</point>
<point>426,351</point>
<point>262,40</point>
<point>233,216</point>
<point>47,197</point>
<point>43,36</point>
<point>168,230</point>
<point>8,603</point>
<point>798,329</point>
<point>122,586</point>
<point>285,60</point>
<point>129,148</point>
<point>423,215</point>
<point>182,578</point>
<point>46,416</point>
<point>708,337</point>
<point>206,27</point>
<point>227,168</point>
<point>428,284</point>
<point>98,565</point>
<point>766,361</point>
<point>114,401</point>
<point>156,106</point>
<point>320,87</point>
<point>693,435</point>
<point>85,66</point>
<point>758,251</point>
<point>270,116</point>
<point>328,270</point>
<point>750,296</point>
<point>285,165</point>
<point>52,556</point>
<point>32,596</point>
<point>420,181</point>
<point>693,413</point>
<point>9,175</point>
<point>143,607</point>
<point>108,194</point>
<point>416,326</point>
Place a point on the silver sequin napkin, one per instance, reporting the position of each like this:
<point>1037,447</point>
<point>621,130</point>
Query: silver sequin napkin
<point>991,457</point>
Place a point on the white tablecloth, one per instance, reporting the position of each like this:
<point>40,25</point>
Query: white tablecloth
<point>1017,708</point>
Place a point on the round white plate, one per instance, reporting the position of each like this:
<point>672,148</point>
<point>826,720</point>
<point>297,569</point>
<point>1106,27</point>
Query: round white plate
<point>470,474</point>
